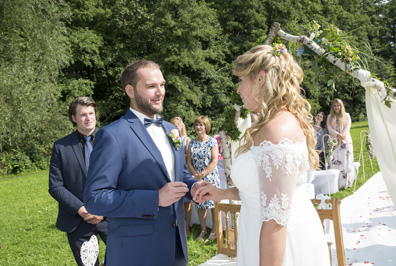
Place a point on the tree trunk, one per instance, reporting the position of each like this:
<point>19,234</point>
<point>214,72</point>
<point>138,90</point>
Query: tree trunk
<point>272,33</point>
<point>226,153</point>
<point>237,115</point>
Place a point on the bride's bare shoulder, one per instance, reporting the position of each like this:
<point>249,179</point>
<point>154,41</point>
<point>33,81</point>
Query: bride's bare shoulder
<point>284,125</point>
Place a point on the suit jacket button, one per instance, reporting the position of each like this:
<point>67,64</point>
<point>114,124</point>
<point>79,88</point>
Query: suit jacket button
<point>174,224</point>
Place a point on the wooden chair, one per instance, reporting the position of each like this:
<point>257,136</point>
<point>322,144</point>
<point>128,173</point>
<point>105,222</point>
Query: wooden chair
<point>227,242</point>
<point>334,215</point>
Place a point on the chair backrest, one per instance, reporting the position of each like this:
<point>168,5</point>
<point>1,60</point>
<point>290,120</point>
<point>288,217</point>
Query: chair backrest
<point>227,242</point>
<point>334,215</point>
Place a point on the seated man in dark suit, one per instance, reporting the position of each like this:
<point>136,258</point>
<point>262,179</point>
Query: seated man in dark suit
<point>68,172</point>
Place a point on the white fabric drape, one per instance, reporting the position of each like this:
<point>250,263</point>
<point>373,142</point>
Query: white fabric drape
<point>382,124</point>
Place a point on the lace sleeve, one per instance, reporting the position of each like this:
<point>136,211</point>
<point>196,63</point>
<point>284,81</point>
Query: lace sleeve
<point>278,171</point>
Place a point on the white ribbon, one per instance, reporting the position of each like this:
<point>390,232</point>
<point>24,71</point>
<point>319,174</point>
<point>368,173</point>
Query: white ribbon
<point>237,107</point>
<point>323,205</point>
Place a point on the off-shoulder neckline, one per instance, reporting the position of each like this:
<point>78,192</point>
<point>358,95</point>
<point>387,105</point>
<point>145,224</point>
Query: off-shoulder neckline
<point>282,142</point>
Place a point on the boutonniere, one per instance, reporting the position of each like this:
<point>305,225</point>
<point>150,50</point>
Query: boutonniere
<point>174,135</point>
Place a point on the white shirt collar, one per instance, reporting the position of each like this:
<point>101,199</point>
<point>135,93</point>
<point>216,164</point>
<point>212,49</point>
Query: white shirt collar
<point>161,140</point>
<point>140,115</point>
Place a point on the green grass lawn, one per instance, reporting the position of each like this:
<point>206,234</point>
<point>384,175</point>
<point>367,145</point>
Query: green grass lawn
<point>28,235</point>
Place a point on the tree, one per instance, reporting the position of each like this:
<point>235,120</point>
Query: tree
<point>33,48</point>
<point>184,37</point>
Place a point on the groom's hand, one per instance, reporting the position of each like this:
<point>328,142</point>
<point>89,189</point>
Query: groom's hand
<point>171,192</point>
<point>196,187</point>
<point>89,218</point>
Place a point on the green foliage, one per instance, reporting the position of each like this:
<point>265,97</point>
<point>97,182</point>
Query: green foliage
<point>15,162</point>
<point>323,74</point>
<point>192,60</point>
<point>52,51</point>
<point>73,88</point>
<point>332,40</point>
<point>33,48</point>
<point>229,125</point>
<point>243,22</point>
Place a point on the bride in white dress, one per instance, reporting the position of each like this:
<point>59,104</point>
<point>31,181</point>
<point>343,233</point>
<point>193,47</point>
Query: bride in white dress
<point>278,224</point>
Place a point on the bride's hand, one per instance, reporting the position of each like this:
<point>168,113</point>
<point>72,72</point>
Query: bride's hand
<point>208,192</point>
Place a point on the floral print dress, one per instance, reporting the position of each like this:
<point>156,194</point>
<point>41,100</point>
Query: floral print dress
<point>201,157</point>
<point>342,160</point>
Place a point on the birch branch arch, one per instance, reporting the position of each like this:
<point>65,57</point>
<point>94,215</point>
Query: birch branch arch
<point>362,75</point>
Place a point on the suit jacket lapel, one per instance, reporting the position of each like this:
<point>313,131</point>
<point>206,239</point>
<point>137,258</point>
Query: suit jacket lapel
<point>141,132</point>
<point>75,142</point>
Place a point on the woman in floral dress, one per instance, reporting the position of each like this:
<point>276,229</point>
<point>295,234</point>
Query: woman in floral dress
<point>339,123</point>
<point>202,163</point>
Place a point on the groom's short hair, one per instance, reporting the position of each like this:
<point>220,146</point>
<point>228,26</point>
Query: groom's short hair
<point>130,75</point>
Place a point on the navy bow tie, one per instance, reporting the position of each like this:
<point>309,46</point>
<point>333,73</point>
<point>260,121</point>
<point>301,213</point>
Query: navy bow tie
<point>148,122</point>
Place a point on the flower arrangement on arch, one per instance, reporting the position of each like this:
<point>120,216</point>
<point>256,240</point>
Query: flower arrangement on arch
<point>331,147</point>
<point>176,140</point>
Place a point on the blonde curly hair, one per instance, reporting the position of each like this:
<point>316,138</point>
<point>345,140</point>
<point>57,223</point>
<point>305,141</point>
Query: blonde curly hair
<point>281,91</point>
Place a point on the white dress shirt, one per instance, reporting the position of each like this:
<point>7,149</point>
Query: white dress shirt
<point>161,140</point>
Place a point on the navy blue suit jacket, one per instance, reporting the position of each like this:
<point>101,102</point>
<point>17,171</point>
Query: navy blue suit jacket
<point>125,174</point>
<point>67,178</point>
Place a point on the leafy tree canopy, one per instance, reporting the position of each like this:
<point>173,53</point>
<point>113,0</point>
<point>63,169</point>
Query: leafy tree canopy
<point>52,51</point>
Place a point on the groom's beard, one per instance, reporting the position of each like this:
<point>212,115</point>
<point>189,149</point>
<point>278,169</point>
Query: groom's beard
<point>145,105</point>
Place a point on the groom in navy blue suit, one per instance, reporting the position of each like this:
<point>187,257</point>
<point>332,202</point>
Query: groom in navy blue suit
<point>138,177</point>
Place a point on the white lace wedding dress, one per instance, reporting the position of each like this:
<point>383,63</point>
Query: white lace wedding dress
<point>271,179</point>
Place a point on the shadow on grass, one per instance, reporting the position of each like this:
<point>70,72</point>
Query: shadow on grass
<point>362,126</point>
<point>16,176</point>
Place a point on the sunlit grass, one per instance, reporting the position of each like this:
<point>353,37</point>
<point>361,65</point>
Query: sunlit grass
<point>28,235</point>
